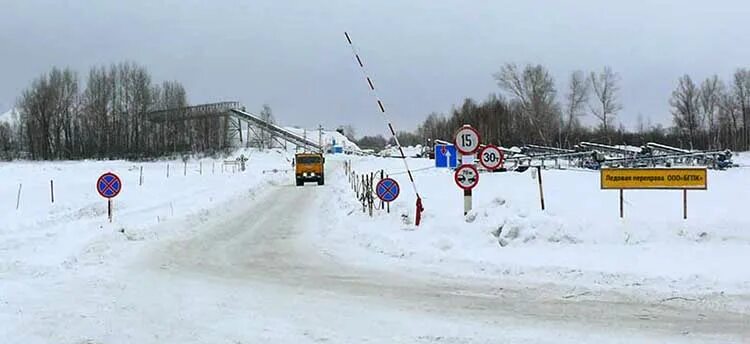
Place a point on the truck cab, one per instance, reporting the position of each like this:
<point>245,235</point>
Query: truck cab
<point>308,167</point>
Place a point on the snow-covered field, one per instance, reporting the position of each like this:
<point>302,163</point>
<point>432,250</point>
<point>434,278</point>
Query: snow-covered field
<point>578,240</point>
<point>212,255</point>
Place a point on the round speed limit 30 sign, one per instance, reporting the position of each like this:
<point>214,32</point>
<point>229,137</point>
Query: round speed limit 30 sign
<point>467,140</point>
<point>491,157</point>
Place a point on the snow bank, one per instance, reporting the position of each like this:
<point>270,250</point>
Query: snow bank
<point>579,239</point>
<point>43,235</point>
<point>328,137</point>
<point>409,151</point>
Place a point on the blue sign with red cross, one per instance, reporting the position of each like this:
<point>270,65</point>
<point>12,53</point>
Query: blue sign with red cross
<point>387,190</point>
<point>109,185</point>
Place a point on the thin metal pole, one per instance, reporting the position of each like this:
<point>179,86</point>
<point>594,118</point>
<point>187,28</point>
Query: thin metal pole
<point>381,107</point>
<point>622,213</point>
<point>18,198</point>
<point>684,204</point>
<point>541,190</point>
<point>52,191</point>
<point>467,201</point>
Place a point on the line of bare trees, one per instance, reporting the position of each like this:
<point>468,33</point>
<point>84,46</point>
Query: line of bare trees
<point>529,109</point>
<point>714,113</point>
<point>58,119</point>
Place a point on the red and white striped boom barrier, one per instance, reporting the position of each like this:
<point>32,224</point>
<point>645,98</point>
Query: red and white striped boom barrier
<point>420,208</point>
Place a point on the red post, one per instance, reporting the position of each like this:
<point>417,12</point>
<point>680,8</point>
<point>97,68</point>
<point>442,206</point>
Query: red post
<point>420,209</point>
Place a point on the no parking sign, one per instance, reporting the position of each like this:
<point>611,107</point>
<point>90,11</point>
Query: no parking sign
<point>109,186</point>
<point>387,190</point>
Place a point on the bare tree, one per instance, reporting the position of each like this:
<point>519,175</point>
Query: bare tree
<point>729,120</point>
<point>685,102</point>
<point>742,97</point>
<point>534,90</point>
<point>46,110</point>
<point>575,99</point>
<point>710,97</point>
<point>605,87</point>
<point>349,131</point>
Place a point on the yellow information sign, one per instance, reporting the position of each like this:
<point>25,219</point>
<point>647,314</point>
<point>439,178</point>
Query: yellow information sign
<point>654,178</point>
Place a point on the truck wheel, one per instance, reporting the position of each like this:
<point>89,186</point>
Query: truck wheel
<point>300,183</point>
<point>321,181</point>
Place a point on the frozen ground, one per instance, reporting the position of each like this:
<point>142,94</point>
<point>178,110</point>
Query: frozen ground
<point>247,257</point>
<point>579,240</point>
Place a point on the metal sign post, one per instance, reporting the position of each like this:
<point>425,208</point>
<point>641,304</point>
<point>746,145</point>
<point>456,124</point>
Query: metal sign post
<point>109,186</point>
<point>466,177</point>
<point>541,190</point>
<point>655,179</point>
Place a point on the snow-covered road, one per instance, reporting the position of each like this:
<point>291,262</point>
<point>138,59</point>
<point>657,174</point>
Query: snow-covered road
<point>247,271</point>
<point>260,248</point>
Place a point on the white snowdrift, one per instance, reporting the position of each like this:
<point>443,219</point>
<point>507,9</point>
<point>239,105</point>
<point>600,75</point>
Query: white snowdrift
<point>42,235</point>
<point>328,137</point>
<point>579,239</point>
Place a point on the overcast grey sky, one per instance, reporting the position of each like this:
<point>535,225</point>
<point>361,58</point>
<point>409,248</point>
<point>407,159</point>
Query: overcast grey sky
<point>424,55</point>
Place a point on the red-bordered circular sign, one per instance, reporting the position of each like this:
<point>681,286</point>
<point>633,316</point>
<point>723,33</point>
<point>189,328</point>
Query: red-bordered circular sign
<point>491,157</point>
<point>109,185</point>
<point>466,177</point>
<point>466,140</point>
<point>387,190</point>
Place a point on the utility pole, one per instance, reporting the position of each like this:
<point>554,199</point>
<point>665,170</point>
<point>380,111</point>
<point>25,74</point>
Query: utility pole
<point>304,135</point>
<point>320,138</point>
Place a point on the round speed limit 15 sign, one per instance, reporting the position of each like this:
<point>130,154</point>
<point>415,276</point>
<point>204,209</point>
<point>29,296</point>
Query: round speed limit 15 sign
<point>491,157</point>
<point>467,140</point>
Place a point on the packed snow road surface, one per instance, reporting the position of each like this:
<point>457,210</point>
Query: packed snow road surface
<point>250,258</point>
<point>262,250</point>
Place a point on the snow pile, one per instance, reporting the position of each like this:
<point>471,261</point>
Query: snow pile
<point>329,138</point>
<point>579,239</point>
<point>409,151</point>
<point>10,116</point>
<point>41,235</point>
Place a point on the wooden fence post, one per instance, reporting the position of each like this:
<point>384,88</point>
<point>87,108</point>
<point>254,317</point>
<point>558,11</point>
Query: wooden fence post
<point>18,197</point>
